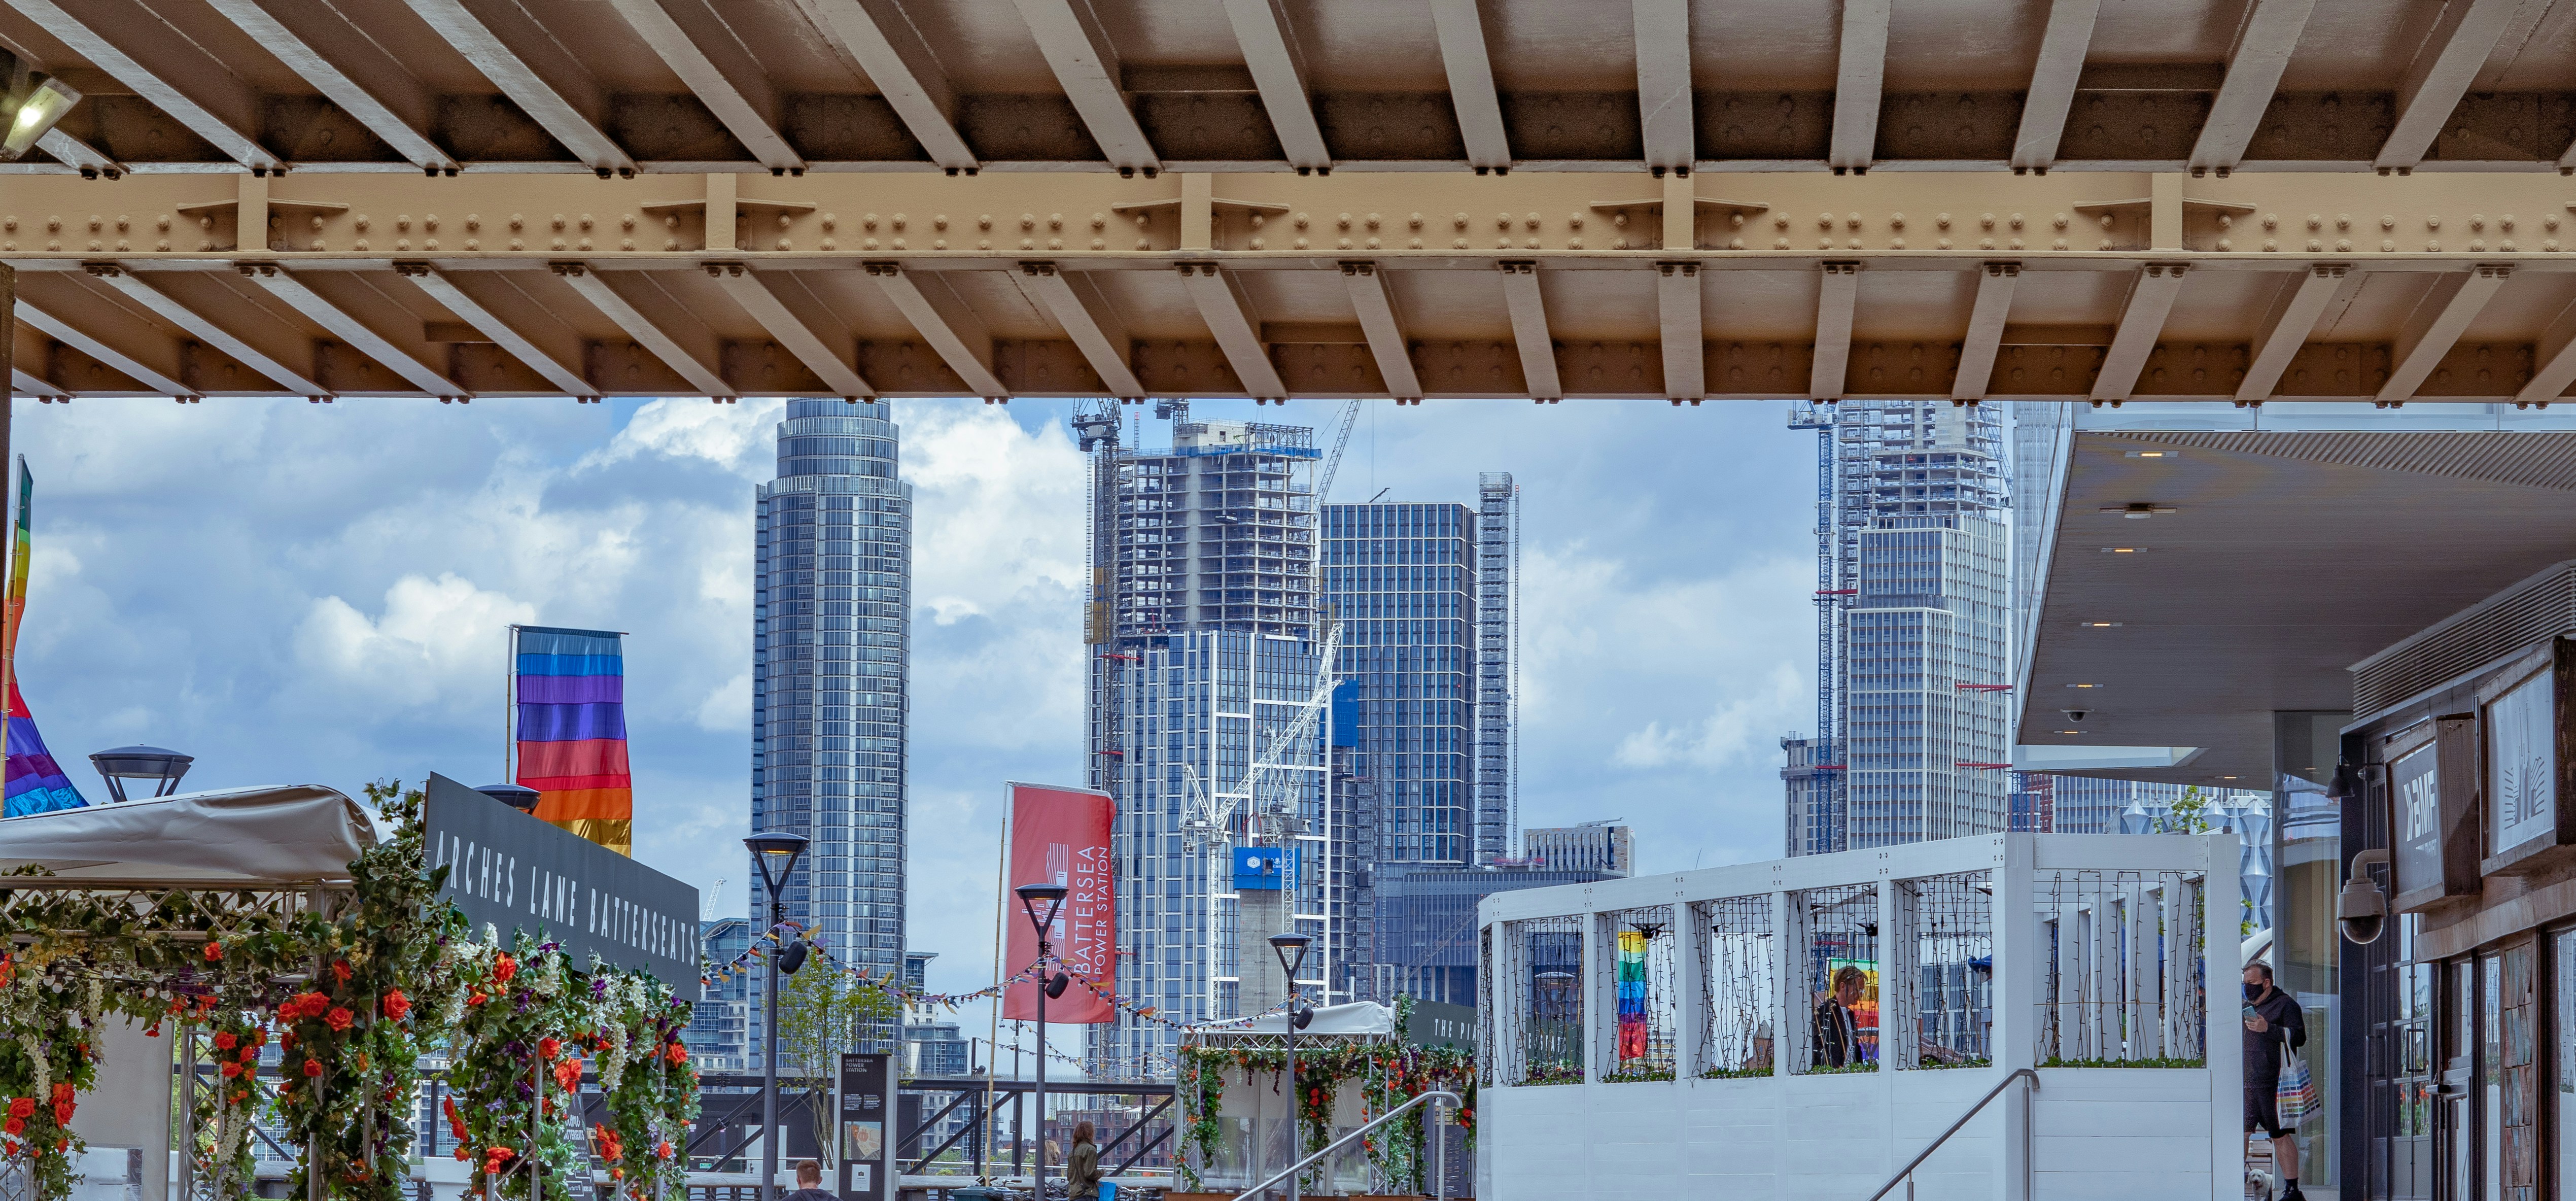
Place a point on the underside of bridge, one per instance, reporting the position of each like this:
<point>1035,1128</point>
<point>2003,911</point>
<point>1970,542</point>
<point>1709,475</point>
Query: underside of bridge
<point>1682,199</point>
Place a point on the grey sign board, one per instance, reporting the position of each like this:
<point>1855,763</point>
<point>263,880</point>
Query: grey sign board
<point>869,1140</point>
<point>513,872</point>
<point>1434,1024</point>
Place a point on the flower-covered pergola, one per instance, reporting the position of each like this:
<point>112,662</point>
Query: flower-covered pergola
<point>260,918</point>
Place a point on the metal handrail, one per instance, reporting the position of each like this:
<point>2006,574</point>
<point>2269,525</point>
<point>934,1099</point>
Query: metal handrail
<point>1439,1146</point>
<point>1991,1094</point>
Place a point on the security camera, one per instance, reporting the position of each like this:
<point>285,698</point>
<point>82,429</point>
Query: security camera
<point>2363,909</point>
<point>2075,714</point>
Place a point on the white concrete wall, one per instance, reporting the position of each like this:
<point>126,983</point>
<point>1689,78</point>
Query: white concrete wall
<point>2112,1134</point>
<point>2109,1133</point>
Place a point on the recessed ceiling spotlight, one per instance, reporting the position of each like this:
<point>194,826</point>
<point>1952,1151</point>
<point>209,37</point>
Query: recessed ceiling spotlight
<point>2124,550</point>
<point>2070,731</point>
<point>2155,454</point>
<point>2083,685</point>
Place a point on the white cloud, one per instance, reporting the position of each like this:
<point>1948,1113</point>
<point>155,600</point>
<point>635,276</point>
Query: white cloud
<point>728,709</point>
<point>1739,728</point>
<point>437,641</point>
<point>736,437</point>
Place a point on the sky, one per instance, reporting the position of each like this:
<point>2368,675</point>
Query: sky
<point>301,593</point>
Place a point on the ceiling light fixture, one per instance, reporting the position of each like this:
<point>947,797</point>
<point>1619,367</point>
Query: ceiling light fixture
<point>35,102</point>
<point>2155,454</point>
<point>2124,550</point>
<point>2083,685</point>
<point>2097,625</point>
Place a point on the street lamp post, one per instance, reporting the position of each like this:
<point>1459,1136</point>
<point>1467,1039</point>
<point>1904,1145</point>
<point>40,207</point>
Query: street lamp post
<point>1281,945</point>
<point>1049,985</point>
<point>776,853</point>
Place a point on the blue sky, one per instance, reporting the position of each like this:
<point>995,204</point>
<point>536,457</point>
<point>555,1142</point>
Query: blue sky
<point>317,593</point>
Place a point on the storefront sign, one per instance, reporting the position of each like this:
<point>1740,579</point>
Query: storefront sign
<point>2522,768</point>
<point>2432,791</point>
<point>512,872</point>
<point>1434,1024</point>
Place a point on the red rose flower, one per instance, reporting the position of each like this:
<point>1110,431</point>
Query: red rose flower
<point>340,1019</point>
<point>548,1048</point>
<point>568,1074</point>
<point>231,1069</point>
<point>14,1126</point>
<point>397,1005</point>
<point>63,1113</point>
<point>227,1040</point>
<point>663,1151</point>
<point>340,970</point>
<point>22,1107</point>
<point>249,1054</point>
<point>677,1053</point>
<point>460,1154</point>
<point>62,1092</point>
<point>214,951</point>
<point>504,967</point>
<point>312,1067</point>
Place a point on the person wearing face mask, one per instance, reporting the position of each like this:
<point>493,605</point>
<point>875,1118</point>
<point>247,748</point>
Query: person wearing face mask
<point>2272,1020</point>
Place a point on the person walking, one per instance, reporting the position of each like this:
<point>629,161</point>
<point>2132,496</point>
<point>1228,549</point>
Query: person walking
<point>2272,1022</point>
<point>809,1183</point>
<point>1082,1171</point>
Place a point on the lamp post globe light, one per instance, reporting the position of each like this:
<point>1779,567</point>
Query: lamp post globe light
<point>1283,945</point>
<point>1052,896</point>
<point>161,767</point>
<point>776,853</point>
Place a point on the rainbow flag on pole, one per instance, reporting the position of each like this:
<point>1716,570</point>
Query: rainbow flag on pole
<point>1632,995</point>
<point>36,783</point>
<point>571,698</point>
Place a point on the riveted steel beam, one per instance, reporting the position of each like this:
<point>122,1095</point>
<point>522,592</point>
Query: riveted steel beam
<point>178,77</point>
<point>2254,65</point>
<point>799,339</point>
<point>2286,327</point>
<point>1460,25</point>
<point>1376,308</point>
<point>2062,46</point>
<point>204,327</point>
<point>1858,84</point>
<point>708,58</point>
<point>357,334</point>
<point>1086,66</point>
<point>1242,291</point>
<point>2435,326</point>
<point>881,41</point>
<point>1279,69</point>
<point>553,88</point>
<point>97,347</point>
<point>2449,62</point>
<point>319,44</point>
<point>1665,100</point>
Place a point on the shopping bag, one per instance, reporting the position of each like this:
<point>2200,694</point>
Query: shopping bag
<point>2295,1097</point>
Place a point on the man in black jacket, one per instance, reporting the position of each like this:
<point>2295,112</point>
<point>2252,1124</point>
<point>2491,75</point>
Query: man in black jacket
<point>2274,1021</point>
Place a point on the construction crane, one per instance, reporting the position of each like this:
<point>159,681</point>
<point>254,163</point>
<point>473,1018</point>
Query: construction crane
<point>1333,461</point>
<point>1825,753</point>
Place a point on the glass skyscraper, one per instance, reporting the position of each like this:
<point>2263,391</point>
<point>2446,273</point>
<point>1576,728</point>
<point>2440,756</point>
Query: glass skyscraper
<point>831,604</point>
<point>1425,595</point>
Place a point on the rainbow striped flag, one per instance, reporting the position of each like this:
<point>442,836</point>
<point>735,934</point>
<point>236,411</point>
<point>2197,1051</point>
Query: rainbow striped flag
<point>572,732</point>
<point>1632,995</point>
<point>36,783</point>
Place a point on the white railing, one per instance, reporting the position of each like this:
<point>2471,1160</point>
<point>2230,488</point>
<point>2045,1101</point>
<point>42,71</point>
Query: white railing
<point>2087,955</point>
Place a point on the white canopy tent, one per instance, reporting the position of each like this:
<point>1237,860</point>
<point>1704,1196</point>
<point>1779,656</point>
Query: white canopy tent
<point>250,837</point>
<point>295,839</point>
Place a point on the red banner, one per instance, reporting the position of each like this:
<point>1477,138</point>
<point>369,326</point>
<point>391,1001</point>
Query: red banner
<point>1061,836</point>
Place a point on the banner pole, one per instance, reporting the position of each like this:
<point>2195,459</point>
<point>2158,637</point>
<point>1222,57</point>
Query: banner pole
<point>1001,896</point>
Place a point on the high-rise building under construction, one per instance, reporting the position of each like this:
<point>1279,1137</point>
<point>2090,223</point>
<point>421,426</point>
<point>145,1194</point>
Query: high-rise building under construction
<point>1914,602</point>
<point>1209,720</point>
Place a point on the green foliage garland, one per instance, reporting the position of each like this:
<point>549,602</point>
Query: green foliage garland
<point>652,1090</point>
<point>1390,1076</point>
<point>351,1043</point>
<point>50,1013</point>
